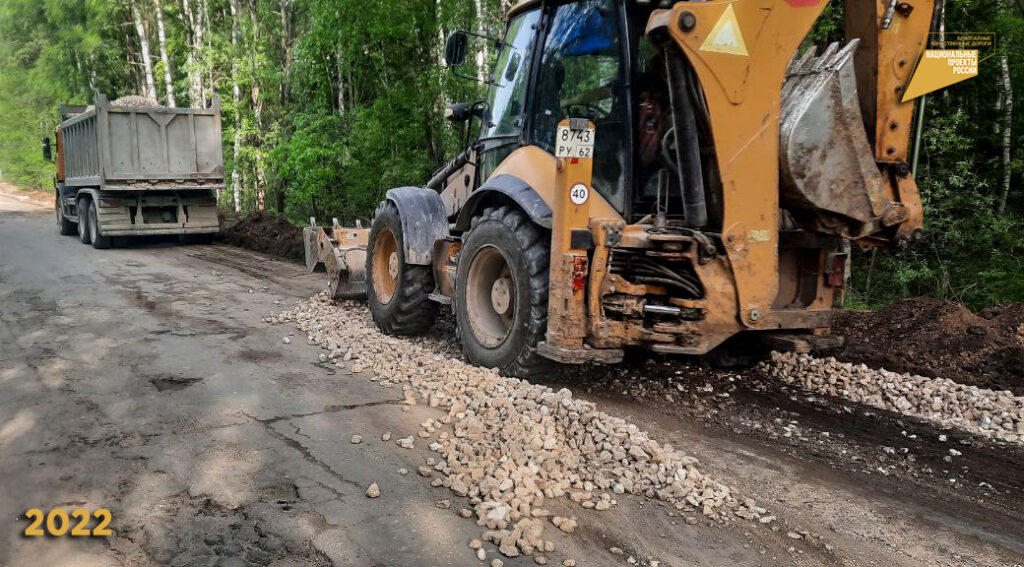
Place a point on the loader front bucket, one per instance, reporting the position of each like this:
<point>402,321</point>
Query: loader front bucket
<point>827,165</point>
<point>309,245</point>
<point>342,253</point>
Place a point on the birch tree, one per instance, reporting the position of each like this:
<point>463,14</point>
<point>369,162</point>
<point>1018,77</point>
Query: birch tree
<point>194,35</point>
<point>236,97</point>
<point>482,56</point>
<point>1006,100</point>
<point>147,63</point>
<point>162,38</point>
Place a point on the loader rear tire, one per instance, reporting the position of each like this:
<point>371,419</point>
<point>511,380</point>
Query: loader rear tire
<point>501,305</point>
<point>397,292</point>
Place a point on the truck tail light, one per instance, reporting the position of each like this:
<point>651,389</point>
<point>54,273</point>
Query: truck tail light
<point>579,272</point>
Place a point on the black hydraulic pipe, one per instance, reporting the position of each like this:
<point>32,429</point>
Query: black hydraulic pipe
<point>684,123</point>
<point>440,176</point>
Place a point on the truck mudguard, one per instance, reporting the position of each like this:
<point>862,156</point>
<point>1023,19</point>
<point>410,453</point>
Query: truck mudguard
<point>424,221</point>
<point>515,189</point>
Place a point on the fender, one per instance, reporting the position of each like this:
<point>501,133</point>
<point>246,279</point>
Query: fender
<point>424,221</point>
<point>513,188</point>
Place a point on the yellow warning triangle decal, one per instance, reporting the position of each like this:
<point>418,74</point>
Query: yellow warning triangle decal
<point>726,36</point>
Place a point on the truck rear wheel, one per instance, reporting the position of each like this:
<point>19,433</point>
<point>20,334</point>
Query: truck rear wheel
<point>99,241</point>
<point>398,292</point>
<point>502,292</point>
<point>83,220</point>
<point>66,227</point>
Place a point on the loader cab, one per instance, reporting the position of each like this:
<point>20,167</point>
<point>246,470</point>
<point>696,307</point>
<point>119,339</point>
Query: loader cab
<point>585,59</point>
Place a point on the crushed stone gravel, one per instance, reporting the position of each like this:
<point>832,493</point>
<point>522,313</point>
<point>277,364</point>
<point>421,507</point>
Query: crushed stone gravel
<point>510,445</point>
<point>948,404</point>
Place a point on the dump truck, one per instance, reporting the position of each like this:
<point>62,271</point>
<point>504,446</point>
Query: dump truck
<point>135,169</point>
<point>679,176</point>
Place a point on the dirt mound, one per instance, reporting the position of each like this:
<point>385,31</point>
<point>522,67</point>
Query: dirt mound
<point>266,233</point>
<point>939,339</point>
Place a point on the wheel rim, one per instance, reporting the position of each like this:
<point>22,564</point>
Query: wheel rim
<point>490,297</point>
<point>386,265</point>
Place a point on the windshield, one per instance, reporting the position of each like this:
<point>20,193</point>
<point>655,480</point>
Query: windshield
<point>507,97</point>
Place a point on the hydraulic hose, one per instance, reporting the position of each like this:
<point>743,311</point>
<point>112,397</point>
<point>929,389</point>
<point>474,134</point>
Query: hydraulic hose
<point>684,124</point>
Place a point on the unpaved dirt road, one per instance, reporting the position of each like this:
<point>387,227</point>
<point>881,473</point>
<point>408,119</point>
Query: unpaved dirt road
<point>143,380</point>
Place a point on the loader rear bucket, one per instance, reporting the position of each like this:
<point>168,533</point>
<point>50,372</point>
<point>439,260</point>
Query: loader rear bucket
<point>342,254</point>
<point>827,165</point>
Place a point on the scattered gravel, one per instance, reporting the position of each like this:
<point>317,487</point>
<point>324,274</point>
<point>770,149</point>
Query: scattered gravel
<point>373,490</point>
<point>990,413</point>
<point>513,444</point>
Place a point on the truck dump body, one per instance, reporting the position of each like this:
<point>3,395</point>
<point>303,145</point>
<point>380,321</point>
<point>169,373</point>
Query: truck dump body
<point>130,148</point>
<point>145,169</point>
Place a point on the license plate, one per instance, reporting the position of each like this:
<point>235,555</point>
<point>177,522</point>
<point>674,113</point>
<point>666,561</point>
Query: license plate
<point>571,143</point>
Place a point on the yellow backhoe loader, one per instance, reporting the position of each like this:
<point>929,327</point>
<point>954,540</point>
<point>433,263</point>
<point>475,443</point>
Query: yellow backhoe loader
<point>671,175</point>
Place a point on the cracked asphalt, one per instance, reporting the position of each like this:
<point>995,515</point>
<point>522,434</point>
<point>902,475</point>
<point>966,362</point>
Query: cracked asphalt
<point>143,380</point>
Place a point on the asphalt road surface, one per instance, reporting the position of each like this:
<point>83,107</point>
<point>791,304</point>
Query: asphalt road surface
<point>142,380</point>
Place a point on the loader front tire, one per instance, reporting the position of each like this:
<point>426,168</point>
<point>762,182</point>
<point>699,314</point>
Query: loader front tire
<point>501,305</point>
<point>397,292</point>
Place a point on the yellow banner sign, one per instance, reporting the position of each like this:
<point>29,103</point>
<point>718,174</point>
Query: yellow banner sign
<point>940,68</point>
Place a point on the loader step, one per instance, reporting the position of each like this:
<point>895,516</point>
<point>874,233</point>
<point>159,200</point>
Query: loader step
<point>580,355</point>
<point>800,343</point>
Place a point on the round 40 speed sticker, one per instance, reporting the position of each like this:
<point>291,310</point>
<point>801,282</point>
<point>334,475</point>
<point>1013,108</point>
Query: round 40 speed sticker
<point>579,194</point>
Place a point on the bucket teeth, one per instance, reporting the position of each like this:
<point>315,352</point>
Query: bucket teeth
<point>826,162</point>
<point>798,64</point>
<point>831,60</point>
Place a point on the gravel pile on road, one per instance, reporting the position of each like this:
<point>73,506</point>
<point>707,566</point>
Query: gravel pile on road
<point>509,445</point>
<point>990,413</point>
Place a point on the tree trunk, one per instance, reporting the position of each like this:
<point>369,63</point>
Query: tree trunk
<point>195,35</point>
<point>286,46</point>
<point>286,83</point>
<point>147,63</point>
<point>1007,107</point>
<point>205,13</point>
<point>236,94</point>
<point>339,58</point>
<point>257,112</point>
<point>483,56</point>
<point>162,36</point>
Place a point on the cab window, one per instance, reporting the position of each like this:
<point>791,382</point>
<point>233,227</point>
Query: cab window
<point>507,97</point>
<point>582,75</point>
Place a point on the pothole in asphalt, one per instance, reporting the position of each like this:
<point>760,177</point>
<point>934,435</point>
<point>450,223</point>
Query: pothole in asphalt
<point>172,383</point>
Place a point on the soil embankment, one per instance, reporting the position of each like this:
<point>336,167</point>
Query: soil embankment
<point>265,233</point>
